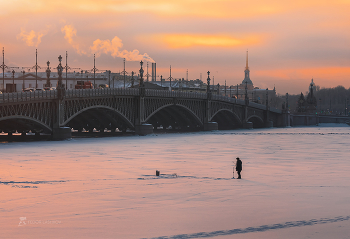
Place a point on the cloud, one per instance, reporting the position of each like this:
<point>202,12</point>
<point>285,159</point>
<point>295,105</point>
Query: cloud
<point>69,32</point>
<point>112,47</point>
<point>31,38</point>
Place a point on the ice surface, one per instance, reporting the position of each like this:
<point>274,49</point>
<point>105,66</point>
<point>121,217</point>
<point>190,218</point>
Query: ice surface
<point>295,184</point>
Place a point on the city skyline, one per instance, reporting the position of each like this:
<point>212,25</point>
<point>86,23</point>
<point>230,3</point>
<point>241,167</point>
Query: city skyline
<point>288,43</point>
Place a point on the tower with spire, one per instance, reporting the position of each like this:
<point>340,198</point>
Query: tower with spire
<point>247,80</point>
<point>246,90</point>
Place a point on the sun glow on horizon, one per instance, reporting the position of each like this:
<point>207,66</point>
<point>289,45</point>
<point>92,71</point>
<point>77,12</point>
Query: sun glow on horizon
<point>191,40</point>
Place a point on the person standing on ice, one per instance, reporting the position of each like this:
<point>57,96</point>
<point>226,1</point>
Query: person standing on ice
<point>239,167</point>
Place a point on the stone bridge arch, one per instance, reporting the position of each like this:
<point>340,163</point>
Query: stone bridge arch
<point>257,121</point>
<point>227,119</point>
<point>176,116</point>
<point>99,117</point>
<point>123,106</point>
<point>23,124</point>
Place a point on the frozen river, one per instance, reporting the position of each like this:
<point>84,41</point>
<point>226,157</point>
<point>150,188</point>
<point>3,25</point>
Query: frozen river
<point>295,184</point>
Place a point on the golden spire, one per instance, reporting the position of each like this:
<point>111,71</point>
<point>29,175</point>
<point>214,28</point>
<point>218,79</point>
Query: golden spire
<point>246,66</point>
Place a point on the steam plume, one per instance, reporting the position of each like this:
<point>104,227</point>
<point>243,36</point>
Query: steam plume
<point>70,32</point>
<point>112,47</point>
<point>31,38</point>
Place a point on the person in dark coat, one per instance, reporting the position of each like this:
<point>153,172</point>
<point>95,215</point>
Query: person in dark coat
<point>238,167</point>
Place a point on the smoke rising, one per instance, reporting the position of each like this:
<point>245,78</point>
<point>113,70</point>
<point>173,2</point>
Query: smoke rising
<point>112,47</point>
<point>31,38</point>
<point>70,32</point>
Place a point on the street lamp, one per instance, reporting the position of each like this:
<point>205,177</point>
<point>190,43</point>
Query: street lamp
<point>13,81</point>
<point>23,79</point>
<point>109,79</point>
<point>48,72</point>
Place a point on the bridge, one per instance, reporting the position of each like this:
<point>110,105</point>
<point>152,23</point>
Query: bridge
<point>58,112</point>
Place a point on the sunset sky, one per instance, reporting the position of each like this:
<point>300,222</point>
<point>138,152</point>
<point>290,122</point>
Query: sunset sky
<point>289,42</point>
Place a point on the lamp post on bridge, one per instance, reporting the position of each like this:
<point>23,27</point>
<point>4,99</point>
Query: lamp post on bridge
<point>225,87</point>
<point>3,66</point>
<point>94,69</point>
<point>48,72</point>
<point>68,68</point>
<point>60,88</point>
<point>141,128</point>
<point>36,68</point>
<point>109,79</point>
<point>142,85</point>
<point>13,81</point>
<point>13,78</point>
<point>170,78</point>
<point>23,87</point>
<point>208,125</point>
<point>267,99</point>
<point>132,79</point>
<point>124,72</point>
<point>59,132</point>
<point>208,83</point>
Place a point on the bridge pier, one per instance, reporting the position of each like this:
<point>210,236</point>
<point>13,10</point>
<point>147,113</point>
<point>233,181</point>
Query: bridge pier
<point>144,129</point>
<point>247,125</point>
<point>61,133</point>
<point>269,124</point>
<point>209,126</point>
<point>285,119</point>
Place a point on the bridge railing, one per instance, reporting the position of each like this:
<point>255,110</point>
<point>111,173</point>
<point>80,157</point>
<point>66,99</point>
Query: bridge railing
<point>86,93</point>
<point>83,93</point>
<point>257,106</point>
<point>171,94</point>
<point>263,107</point>
<point>228,99</point>
<point>27,96</point>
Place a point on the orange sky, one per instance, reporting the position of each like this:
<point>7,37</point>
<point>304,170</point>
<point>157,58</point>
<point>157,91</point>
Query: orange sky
<point>289,42</point>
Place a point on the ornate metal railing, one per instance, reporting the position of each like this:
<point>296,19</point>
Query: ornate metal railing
<point>87,93</point>
<point>178,94</point>
<point>27,96</point>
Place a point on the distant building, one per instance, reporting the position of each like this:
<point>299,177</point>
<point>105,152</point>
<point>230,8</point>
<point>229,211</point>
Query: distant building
<point>247,82</point>
<point>255,94</point>
<point>20,80</point>
<point>309,104</point>
<point>311,99</point>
